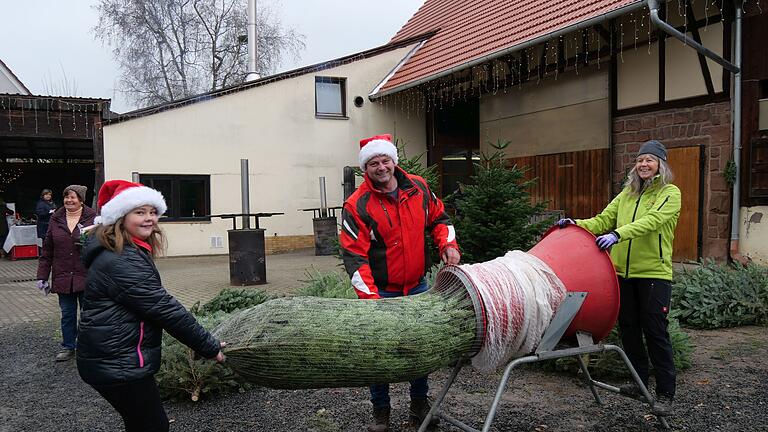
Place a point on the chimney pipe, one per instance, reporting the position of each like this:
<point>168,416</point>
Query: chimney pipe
<point>252,42</point>
<point>245,192</point>
<point>323,199</point>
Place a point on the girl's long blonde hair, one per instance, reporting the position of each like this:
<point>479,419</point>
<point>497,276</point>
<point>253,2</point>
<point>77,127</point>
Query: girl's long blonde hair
<point>636,184</point>
<point>114,238</point>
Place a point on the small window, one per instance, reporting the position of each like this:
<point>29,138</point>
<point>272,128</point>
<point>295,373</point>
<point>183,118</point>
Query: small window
<point>188,196</point>
<point>758,168</point>
<point>330,97</point>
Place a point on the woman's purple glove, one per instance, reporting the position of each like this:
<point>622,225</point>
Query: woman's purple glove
<point>43,286</point>
<point>565,221</point>
<point>605,241</point>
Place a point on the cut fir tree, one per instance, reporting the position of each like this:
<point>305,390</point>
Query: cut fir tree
<point>305,342</point>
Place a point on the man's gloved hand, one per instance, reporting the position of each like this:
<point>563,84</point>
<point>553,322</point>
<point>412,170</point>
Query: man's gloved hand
<point>565,221</point>
<point>43,286</point>
<point>605,241</point>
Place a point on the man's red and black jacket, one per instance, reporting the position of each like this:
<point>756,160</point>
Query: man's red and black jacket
<point>382,237</point>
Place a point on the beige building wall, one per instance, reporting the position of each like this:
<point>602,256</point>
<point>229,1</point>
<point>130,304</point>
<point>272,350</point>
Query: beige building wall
<point>753,233</point>
<point>274,126</point>
<point>564,115</point>
<point>637,80</point>
<point>637,77</point>
<point>683,72</point>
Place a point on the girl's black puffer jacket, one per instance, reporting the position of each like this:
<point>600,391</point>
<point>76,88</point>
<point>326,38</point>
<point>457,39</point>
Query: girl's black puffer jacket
<point>124,313</point>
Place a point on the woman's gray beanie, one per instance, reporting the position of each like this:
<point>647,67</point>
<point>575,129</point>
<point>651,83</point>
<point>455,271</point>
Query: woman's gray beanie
<point>655,148</point>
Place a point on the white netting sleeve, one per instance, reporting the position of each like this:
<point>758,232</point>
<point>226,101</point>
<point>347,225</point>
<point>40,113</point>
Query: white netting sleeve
<point>520,294</point>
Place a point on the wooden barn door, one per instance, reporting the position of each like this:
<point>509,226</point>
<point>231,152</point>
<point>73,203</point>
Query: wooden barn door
<point>576,183</point>
<point>686,165</point>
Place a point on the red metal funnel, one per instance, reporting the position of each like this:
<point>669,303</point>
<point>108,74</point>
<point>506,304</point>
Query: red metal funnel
<point>572,254</point>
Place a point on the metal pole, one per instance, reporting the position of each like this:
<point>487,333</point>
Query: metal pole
<point>736,210</point>
<point>252,42</point>
<point>245,193</point>
<point>323,199</point>
<point>349,181</point>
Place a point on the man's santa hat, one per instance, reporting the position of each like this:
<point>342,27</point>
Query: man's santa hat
<point>118,197</point>
<point>379,145</point>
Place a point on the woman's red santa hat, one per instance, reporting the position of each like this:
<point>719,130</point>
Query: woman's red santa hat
<point>118,197</point>
<point>379,145</point>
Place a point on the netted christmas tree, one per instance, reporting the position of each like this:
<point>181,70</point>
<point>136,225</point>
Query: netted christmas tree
<point>184,375</point>
<point>494,210</point>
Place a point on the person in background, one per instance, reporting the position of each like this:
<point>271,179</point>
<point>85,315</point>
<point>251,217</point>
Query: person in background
<point>44,209</point>
<point>60,260</point>
<point>638,226</point>
<point>5,228</point>
<point>382,238</point>
<point>126,307</point>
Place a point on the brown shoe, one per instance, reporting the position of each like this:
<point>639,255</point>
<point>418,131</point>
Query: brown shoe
<point>380,420</point>
<point>418,412</point>
<point>65,355</point>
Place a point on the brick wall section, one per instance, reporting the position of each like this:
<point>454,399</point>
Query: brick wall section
<point>277,244</point>
<point>708,126</point>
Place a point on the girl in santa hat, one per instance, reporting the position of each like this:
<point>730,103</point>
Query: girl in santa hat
<point>126,307</point>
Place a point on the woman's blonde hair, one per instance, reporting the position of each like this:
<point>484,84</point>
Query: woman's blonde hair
<point>114,238</point>
<point>636,184</point>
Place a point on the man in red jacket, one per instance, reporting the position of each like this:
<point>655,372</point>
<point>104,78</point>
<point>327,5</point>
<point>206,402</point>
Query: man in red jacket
<point>382,238</point>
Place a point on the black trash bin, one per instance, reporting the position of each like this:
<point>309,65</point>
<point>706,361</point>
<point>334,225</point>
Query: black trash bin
<point>326,235</point>
<point>247,257</point>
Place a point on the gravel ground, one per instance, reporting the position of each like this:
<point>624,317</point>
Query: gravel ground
<point>725,390</point>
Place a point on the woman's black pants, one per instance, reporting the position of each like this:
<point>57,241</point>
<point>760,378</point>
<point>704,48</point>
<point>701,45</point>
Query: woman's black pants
<point>138,403</point>
<point>643,315</point>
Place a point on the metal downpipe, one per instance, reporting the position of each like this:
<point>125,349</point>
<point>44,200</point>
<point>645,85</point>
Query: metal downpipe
<point>735,69</point>
<point>736,208</point>
<point>653,7</point>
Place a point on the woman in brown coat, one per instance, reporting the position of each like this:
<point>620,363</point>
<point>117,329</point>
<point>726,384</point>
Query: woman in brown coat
<point>61,260</point>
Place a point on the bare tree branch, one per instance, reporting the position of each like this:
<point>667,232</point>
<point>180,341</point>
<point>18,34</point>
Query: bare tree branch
<point>171,49</point>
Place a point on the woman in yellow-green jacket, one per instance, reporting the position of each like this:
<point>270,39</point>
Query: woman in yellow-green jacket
<point>639,228</point>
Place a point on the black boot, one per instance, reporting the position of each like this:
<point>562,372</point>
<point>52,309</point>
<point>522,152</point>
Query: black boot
<point>380,420</point>
<point>418,412</point>
<point>663,406</point>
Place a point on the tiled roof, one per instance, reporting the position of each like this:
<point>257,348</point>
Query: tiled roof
<point>471,29</point>
<point>12,76</point>
<point>401,42</point>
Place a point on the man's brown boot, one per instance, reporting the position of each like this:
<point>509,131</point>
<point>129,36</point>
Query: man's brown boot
<point>65,355</point>
<point>418,412</point>
<point>380,420</point>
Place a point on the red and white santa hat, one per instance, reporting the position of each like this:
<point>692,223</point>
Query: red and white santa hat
<point>379,145</point>
<point>118,197</point>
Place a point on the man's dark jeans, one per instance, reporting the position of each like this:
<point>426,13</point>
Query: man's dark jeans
<point>419,386</point>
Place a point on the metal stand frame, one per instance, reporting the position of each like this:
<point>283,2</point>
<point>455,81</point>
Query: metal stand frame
<point>546,351</point>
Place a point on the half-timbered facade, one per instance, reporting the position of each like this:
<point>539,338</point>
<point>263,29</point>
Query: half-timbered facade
<point>577,86</point>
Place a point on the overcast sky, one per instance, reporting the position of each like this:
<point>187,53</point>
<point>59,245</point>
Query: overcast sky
<point>42,40</point>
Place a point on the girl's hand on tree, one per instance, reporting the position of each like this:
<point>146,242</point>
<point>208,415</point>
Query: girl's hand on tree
<point>220,357</point>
